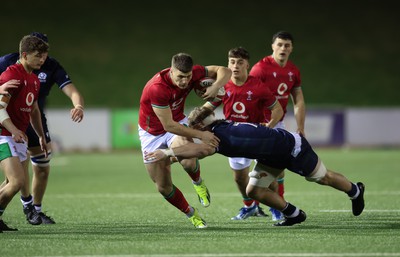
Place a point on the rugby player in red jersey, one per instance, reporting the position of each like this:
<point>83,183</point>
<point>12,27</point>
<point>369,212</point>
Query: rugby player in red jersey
<point>50,74</point>
<point>18,109</point>
<point>284,81</point>
<point>245,100</point>
<point>162,125</point>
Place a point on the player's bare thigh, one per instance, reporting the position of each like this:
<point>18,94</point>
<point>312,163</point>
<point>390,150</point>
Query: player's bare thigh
<point>13,171</point>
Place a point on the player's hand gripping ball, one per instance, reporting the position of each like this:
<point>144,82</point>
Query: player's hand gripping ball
<point>200,88</point>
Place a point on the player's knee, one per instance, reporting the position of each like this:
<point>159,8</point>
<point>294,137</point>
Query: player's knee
<point>41,160</point>
<point>251,191</point>
<point>190,165</point>
<point>319,174</point>
<point>15,185</point>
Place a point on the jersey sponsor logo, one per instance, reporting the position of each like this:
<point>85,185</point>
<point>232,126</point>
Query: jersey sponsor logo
<point>240,116</point>
<point>30,97</point>
<point>239,107</point>
<point>282,88</point>
<point>27,109</point>
<point>282,97</point>
<point>42,77</point>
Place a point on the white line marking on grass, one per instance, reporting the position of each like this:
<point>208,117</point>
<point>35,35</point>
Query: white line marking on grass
<point>363,210</point>
<point>155,194</point>
<point>247,255</point>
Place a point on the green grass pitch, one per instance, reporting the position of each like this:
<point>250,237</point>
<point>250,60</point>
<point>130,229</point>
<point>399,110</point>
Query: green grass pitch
<point>106,205</point>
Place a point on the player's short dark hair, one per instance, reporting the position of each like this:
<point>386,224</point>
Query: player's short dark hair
<point>282,35</point>
<point>30,44</point>
<point>183,62</point>
<point>41,36</point>
<point>239,52</point>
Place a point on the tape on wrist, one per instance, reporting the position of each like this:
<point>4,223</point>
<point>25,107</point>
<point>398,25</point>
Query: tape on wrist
<point>78,106</point>
<point>3,115</point>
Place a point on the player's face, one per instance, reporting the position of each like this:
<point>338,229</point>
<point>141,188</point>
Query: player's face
<point>34,60</point>
<point>282,49</point>
<point>239,68</point>
<point>179,78</point>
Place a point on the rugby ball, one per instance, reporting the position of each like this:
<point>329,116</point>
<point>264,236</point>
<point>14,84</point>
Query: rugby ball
<point>202,84</point>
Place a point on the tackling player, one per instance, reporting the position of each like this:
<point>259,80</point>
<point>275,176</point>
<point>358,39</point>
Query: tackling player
<point>162,124</point>
<point>17,110</point>
<point>275,150</point>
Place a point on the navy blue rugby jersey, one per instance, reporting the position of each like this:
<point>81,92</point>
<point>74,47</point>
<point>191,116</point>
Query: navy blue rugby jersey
<point>252,141</point>
<point>49,74</point>
<point>273,147</point>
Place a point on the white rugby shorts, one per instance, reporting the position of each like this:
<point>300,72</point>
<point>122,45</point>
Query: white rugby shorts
<point>149,143</point>
<point>10,148</point>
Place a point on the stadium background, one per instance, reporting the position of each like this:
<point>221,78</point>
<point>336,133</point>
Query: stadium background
<point>348,51</point>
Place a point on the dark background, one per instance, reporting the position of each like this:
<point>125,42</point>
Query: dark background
<point>347,51</point>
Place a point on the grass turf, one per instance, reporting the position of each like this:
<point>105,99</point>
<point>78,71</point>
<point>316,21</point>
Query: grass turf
<point>106,205</point>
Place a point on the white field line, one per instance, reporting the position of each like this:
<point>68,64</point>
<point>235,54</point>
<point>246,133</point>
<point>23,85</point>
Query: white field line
<point>247,255</point>
<point>233,194</point>
<point>365,210</point>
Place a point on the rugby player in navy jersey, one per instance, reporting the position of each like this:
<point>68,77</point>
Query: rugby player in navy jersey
<point>274,150</point>
<point>50,73</point>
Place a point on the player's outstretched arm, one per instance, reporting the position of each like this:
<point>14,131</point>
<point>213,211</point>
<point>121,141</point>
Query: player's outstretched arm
<point>189,150</point>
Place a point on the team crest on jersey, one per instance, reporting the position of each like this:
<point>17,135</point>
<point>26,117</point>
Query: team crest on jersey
<point>290,76</point>
<point>42,77</point>
<point>274,73</point>
<point>249,93</point>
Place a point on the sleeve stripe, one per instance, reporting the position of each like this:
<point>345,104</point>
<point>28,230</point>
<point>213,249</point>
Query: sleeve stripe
<point>65,83</point>
<point>160,107</point>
